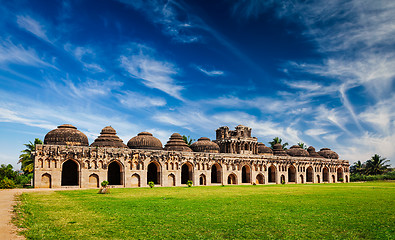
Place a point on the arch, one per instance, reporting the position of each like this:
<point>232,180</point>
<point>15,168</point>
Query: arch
<point>333,179</point>
<point>153,172</point>
<point>202,179</point>
<point>309,174</point>
<point>93,181</point>
<point>114,173</point>
<point>272,174</point>
<point>171,179</point>
<point>40,163</point>
<point>100,164</point>
<point>135,180</point>
<point>282,179</point>
<point>318,179</point>
<point>291,174</point>
<point>46,181</point>
<point>48,163</point>
<point>301,178</point>
<point>186,172</point>
<point>340,174</point>
<point>246,174</point>
<point>325,174</point>
<point>171,166</point>
<point>232,179</point>
<point>70,172</point>
<point>260,179</point>
<point>346,179</point>
<point>216,173</point>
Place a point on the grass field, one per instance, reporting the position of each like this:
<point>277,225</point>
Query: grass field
<point>315,211</point>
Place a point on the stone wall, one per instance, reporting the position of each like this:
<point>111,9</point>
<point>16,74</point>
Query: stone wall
<point>92,164</point>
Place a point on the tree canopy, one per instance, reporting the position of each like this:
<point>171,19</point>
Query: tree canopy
<point>278,140</point>
<point>188,140</point>
<point>26,157</point>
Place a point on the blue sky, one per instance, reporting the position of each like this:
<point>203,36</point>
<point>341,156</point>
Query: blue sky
<point>321,73</point>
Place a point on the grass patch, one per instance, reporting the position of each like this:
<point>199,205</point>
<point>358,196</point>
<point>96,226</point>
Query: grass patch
<point>329,211</point>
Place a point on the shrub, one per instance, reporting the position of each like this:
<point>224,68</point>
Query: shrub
<point>104,183</point>
<point>151,184</point>
<point>341,179</point>
<point>104,188</point>
<point>7,183</point>
<point>189,183</point>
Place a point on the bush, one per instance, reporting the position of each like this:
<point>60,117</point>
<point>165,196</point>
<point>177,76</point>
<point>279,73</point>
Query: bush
<point>7,183</point>
<point>104,183</point>
<point>189,183</point>
<point>341,179</point>
<point>151,184</point>
<point>104,188</point>
<point>361,177</point>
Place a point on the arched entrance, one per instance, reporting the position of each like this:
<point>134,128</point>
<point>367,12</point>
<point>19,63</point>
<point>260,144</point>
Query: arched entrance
<point>186,173</point>
<point>215,173</point>
<point>260,179</point>
<point>69,173</point>
<point>291,174</point>
<point>46,181</point>
<point>202,180</point>
<point>135,180</point>
<point>340,174</point>
<point>301,178</point>
<point>318,178</point>
<point>272,174</point>
<point>346,178</point>
<point>93,181</point>
<point>333,179</point>
<point>325,174</point>
<point>282,179</point>
<point>153,173</point>
<point>171,179</point>
<point>232,179</point>
<point>309,174</point>
<point>246,174</point>
<point>114,173</point>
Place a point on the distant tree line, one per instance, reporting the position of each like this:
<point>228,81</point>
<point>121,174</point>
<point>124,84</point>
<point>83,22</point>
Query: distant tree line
<point>373,169</point>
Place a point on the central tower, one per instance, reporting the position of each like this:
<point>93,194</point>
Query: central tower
<point>236,141</point>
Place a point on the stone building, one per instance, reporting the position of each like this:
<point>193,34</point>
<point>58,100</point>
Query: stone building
<point>66,160</point>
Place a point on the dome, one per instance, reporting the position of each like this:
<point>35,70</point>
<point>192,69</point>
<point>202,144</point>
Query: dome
<point>145,140</point>
<point>327,153</point>
<point>313,153</point>
<point>66,134</point>
<point>204,144</point>
<point>278,150</point>
<point>263,149</point>
<point>176,143</point>
<point>297,151</point>
<point>108,138</point>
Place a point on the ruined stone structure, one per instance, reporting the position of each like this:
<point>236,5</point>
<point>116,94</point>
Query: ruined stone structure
<point>66,160</point>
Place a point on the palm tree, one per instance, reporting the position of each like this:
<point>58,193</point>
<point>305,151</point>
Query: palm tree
<point>302,145</point>
<point>376,165</point>
<point>278,140</point>
<point>188,140</point>
<point>358,167</point>
<point>26,157</point>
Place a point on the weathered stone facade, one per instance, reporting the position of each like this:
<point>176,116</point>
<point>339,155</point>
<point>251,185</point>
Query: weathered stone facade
<point>85,167</point>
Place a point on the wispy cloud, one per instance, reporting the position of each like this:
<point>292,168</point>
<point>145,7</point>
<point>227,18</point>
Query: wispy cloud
<point>210,73</point>
<point>33,26</point>
<point>142,63</point>
<point>12,53</point>
<point>136,100</point>
<point>86,56</point>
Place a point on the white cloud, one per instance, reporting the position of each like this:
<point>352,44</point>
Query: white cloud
<point>33,26</point>
<point>142,63</point>
<point>137,100</point>
<point>86,56</point>
<point>212,73</point>
<point>11,53</point>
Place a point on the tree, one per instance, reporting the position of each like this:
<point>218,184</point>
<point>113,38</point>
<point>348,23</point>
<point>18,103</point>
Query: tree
<point>278,140</point>
<point>188,140</point>
<point>376,165</point>
<point>358,167</point>
<point>26,157</point>
<point>302,145</point>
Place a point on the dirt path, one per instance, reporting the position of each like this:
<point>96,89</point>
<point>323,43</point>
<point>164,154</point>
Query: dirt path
<point>7,200</point>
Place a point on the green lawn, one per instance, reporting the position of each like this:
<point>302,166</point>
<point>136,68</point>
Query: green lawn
<point>315,211</point>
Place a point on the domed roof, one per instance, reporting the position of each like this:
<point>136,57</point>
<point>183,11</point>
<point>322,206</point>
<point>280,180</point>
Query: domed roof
<point>176,143</point>
<point>327,153</point>
<point>66,134</point>
<point>297,151</point>
<point>263,149</point>
<point>313,153</point>
<point>108,138</point>
<point>278,150</point>
<point>145,140</point>
<point>204,144</point>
